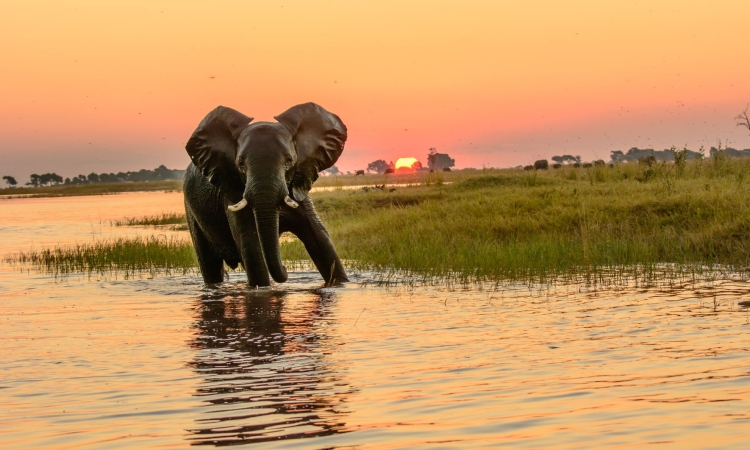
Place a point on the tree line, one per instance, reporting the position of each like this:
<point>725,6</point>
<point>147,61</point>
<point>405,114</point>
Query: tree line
<point>435,161</point>
<point>636,154</point>
<point>161,173</point>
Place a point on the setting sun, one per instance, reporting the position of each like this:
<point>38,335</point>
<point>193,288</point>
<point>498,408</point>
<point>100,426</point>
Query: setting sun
<point>406,163</point>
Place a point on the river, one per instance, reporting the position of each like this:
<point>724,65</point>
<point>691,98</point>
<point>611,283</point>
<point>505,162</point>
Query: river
<point>107,362</point>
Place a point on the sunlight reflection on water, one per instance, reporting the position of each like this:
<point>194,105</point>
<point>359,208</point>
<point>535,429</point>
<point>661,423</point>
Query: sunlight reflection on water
<point>170,362</point>
<point>143,362</point>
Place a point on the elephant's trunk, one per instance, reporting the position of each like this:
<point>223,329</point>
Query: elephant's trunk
<point>267,222</point>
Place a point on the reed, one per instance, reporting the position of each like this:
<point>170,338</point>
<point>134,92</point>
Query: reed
<point>533,225</point>
<point>160,220</point>
<point>150,255</point>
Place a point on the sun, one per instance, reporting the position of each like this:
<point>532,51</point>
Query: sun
<point>405,163</point>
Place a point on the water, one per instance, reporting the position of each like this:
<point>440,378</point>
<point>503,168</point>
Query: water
<point>168,362</point>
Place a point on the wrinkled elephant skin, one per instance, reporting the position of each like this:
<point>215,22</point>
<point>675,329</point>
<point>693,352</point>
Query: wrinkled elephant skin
<point>250,182</point>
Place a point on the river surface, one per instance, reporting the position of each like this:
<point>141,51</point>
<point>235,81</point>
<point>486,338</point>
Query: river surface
<point>164,362</point>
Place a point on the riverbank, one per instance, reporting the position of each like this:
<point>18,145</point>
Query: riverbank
<point>324,182</point>
<point>90,189</point>
<point>514,224</point>
<point>527,225</point>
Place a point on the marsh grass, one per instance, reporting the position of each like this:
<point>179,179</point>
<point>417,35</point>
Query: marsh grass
<point>596,225</point>
<point>150,255</point>
<point>425,177</point>
<point>161,220</point>
<point>515,225</point>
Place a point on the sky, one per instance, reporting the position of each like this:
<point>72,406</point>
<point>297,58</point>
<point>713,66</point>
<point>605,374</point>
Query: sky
<point>92,86</point>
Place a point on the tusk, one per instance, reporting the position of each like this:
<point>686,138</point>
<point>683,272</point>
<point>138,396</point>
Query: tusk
<point>288,200</point>
<point>237,206</point>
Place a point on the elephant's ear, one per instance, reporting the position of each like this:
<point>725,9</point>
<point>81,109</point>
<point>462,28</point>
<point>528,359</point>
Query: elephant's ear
<point>213,148</point>
<point>319,137</point>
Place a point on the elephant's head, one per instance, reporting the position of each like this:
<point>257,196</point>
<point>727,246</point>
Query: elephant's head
<point>266,164</point>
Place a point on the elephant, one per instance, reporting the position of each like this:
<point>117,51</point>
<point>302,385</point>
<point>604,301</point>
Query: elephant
<point>250,182</point>
<point>541,164</point>
<point>360,172</point>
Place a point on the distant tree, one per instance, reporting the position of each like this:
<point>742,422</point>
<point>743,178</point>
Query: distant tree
<point>162,173</point>
<point>378,166</point>
<point>333,170</point>
<point>729,152</point>
<point>50,178</point>
<point>566,159</point>
<point>617,156</point>
<point>33,180</point>
<point>108,178</point>
<point>635,154</point>
<point>439,161</point>
<point>10,181</point>
<point>93,178</point>
<point>742,118</point>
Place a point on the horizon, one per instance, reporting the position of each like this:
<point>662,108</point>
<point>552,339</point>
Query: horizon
<point>423,166</point>
<point>93,87</point>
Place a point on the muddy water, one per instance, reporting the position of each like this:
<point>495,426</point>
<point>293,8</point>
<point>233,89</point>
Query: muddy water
<point>168,362</point>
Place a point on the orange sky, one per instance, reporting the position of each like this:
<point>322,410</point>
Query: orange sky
<point>109,86</point>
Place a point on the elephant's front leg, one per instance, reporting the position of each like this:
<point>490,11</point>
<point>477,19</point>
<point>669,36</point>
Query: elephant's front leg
<point>245,235</point>
<point>310,230</point>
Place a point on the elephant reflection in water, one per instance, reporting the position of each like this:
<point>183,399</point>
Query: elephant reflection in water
<point>265,377</point>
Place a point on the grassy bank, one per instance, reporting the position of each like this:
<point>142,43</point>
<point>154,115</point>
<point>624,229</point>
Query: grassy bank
<point>176,220</point>
<point>513,224</point>
<point>503,224</point>
<point>154,254</point>
<point>90,189</point>
<point>342,181</point>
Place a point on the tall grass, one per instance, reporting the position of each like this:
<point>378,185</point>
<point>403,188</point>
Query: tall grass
<point>150,255</point>
<point>337,181</point>
<point>630,219</point>
<point>163,219</point>
<point>522,225</point>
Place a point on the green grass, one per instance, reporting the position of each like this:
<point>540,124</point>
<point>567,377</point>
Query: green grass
<point>164,219</point>
<point>342,181</point>
<point>521,225</point>
<point>499,225</point>
<point>151,255</point>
